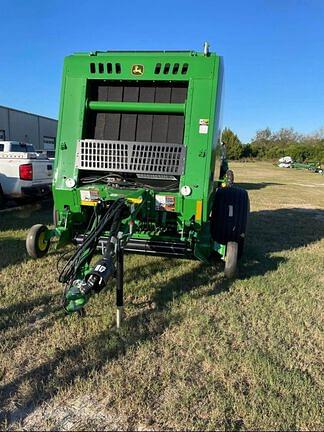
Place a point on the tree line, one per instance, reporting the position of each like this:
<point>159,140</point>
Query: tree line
<point>268,144</point>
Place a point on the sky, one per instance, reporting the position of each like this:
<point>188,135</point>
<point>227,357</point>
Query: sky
<point>273,51</point>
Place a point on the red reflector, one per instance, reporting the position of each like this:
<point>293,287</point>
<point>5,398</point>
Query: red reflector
<point>26,172</point>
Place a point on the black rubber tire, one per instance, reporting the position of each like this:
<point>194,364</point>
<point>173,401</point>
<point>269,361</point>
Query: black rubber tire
<point>36,245</point>
<point>231,260</point>
<point>229,216</point>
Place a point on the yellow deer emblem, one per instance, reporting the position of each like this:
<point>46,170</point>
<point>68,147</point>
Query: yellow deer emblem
<point>137,69</point>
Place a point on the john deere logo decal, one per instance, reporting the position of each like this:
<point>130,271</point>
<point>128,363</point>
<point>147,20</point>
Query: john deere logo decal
<point>137,69</point>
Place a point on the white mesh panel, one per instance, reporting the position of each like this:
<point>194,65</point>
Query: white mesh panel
<point>128,156</point>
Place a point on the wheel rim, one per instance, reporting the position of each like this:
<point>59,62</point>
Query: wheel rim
<point>42,242</point>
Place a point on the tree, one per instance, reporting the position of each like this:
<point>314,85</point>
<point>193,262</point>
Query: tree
<point>262,137</point>
<point>261,142</point>
<point>247,151</point>
<point>286,136</point>
<point>234,146</point>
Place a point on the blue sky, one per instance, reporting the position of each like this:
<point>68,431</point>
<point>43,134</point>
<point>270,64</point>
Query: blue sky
<point>273,51</point>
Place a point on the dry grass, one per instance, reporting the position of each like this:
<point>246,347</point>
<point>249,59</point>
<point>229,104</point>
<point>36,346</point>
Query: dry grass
<point>195,351</point>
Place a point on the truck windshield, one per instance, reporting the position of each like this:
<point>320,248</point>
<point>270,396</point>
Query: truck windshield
<point>21,147</point>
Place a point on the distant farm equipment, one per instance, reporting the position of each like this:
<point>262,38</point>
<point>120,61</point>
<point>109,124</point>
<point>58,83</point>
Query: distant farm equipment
<point>288,162</point>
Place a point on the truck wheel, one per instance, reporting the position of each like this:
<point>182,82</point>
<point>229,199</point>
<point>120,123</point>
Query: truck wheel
<point>231,260</point>
<point>229,216</point>
<point>36,243</point>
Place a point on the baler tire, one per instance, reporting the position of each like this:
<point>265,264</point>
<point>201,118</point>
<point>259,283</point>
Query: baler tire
<point>231,260</point>
<point>36,244</point>
<point>229,216</point>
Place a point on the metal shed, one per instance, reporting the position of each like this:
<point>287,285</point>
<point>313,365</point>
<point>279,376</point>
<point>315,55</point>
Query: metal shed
<point>27,127</point>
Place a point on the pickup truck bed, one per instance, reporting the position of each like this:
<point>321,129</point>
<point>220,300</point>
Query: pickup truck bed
<point>24,174</point>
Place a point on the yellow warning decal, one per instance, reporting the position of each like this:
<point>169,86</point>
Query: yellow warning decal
<point>198,210</point>
<point>135,200</point>
<point>89,203</point>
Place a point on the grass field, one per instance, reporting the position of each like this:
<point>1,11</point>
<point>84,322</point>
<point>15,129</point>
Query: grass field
<point>195,351</point>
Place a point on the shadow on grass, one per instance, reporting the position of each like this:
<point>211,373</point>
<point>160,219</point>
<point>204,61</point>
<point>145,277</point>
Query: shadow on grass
<point>21,219</point>
<point>105,346</point>
<point>12,251</point>
<point>12,247</point>
<point>270,231</point>
<point>275,231</point>
<point>257,186</point>
<point>12,315</point>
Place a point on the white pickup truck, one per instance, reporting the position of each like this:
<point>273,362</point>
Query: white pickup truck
<point>23,171</point>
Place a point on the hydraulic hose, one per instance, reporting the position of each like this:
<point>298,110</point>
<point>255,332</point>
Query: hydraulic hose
<point>88,248</point>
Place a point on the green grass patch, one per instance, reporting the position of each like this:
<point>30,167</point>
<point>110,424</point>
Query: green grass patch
<point>195,351</point>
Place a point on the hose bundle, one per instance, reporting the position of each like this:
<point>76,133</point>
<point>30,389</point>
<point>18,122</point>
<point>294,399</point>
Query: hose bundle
<point>85,252</point>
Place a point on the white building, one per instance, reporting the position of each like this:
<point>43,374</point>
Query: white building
<point>16,125</point>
